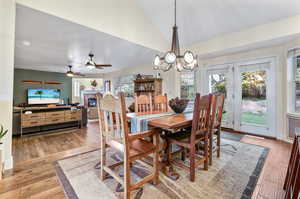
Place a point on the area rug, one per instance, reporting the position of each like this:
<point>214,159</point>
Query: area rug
<point>234,175</point>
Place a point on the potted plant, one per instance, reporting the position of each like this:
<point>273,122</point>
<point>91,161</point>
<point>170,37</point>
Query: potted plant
<point>2,134</point>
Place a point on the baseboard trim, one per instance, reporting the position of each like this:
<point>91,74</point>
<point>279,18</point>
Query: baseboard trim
<point>245,133</point>
<point>8,163</point>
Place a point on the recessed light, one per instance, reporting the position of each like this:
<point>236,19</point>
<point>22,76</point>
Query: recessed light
<point>26,43</point>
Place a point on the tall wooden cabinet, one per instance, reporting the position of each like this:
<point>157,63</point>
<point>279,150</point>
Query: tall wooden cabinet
<point>149,85</point>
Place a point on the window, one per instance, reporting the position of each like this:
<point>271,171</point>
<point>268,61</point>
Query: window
<point>293,77</point>
<point>76,88</point>
<point>125,84</point>
<point>297,83</point>
<point>187,85</point>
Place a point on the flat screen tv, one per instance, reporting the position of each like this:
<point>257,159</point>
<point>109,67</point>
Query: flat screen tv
<point>43,96</point>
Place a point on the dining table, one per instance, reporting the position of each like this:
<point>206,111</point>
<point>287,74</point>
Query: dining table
<point>165,123</point>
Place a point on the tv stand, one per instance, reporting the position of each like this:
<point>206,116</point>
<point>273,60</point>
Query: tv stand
<point>45,117</point>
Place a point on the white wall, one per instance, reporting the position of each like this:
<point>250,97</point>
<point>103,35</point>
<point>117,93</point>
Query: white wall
<point>171,80</point>
<point>7,34</point>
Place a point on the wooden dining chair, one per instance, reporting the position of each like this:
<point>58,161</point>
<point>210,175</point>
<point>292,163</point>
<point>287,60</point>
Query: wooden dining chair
<point>217,105</point>
<point>143,103</point>
<point>114,133</point>
<point>161,103</point>
<point>189,139</point>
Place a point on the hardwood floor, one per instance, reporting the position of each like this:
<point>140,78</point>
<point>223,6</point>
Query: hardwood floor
<point>272,178</point>
<point>34,176</point>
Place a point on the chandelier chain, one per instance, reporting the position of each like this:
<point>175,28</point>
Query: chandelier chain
<point>175,12</point>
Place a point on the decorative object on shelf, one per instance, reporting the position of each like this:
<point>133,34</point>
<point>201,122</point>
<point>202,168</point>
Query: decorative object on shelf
<point>139,76</point>
<point>158,75</point>
<point>131,108</point>
<point>178,105</point>
<point>173,58</point>
<point>94,83</point>
<point>2,134</point>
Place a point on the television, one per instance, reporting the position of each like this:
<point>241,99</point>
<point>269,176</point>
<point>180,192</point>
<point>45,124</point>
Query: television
<point>43,96</point>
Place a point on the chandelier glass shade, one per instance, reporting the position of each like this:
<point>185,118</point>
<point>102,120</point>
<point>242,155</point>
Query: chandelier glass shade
<point>173,58</point>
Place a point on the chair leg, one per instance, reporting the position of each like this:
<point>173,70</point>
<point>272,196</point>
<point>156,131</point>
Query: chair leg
<point>102,159</point>
<point>168,150</point>
<point>183,154</point>
<point>206,152</point>
<point>219,143</point>
<point>156,160</point>
<point>210,148</point>
<point>192,163</point>
<point>126,179</point>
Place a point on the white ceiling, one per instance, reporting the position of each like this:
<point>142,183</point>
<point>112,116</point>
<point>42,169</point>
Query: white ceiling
<point>200,20</point>
<point>56,42</point>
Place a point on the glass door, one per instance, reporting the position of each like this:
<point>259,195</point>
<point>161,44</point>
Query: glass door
<point>254,102</point>
<point>219,80</point>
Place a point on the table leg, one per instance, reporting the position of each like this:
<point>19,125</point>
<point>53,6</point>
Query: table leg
<point>165,165</point>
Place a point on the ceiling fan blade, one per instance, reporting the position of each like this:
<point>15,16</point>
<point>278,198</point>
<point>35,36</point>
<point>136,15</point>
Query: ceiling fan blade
<point>103,65</point>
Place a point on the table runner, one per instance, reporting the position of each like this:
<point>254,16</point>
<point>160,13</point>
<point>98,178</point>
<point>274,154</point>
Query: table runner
<point>140,123</point>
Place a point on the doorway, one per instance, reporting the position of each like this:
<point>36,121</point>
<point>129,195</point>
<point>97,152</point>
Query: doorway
<point>249,89</point>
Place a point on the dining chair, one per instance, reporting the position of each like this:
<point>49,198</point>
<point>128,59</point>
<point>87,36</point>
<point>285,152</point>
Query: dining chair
<point>189,139</point>
<point>143,103</point>
<point>114,134</point>
<point>161,103</point>
<point>217,105</point>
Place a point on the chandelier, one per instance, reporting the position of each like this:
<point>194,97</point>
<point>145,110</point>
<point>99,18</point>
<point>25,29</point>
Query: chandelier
<point>173,58</point>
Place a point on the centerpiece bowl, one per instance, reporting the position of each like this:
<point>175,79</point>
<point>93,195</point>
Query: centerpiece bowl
<point>178,105</point>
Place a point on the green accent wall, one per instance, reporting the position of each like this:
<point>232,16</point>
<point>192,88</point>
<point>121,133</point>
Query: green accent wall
<point>20,89</point>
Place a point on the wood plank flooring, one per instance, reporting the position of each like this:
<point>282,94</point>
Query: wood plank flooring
<point>34,176</point>
<point>273,174</point>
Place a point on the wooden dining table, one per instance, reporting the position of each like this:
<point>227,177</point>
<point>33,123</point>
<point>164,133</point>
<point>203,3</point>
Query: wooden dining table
<point>169,123</point>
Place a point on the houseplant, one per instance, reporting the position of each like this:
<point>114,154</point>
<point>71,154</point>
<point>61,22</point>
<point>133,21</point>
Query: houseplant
<point>2,134</point>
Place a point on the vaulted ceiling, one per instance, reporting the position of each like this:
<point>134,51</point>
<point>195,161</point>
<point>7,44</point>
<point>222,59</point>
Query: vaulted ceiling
<point>200,20</point>
<point>55,43</point>
<point>130,32</point>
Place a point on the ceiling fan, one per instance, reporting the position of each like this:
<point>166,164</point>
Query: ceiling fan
<point>90,64</point>
<point>70,73</point>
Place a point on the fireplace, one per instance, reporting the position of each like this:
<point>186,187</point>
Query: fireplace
<point>92,102</point>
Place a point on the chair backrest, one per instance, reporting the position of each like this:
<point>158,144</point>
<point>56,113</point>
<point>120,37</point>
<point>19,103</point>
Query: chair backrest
<point>143,103</point>
<point>201,116</point>
<point>217,110</point>
<point>112,118</point>
<point>161,103</point>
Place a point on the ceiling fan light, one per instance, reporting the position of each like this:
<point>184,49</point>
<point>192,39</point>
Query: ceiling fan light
<point>90,65</point>
<point>170,57</point>
<point>70,74</point>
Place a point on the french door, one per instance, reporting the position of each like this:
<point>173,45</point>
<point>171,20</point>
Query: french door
<point>249,88</point>
<point>220,79</point>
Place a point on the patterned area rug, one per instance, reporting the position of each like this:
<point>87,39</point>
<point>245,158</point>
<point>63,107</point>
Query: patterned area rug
<point>234,175</point>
